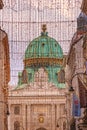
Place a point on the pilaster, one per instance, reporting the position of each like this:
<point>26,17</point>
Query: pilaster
<point>28,118</point>
<point>53,117</point>
<point>24,113</point>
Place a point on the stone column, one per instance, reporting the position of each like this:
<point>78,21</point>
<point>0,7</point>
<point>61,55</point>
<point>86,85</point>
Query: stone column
<point>24,116</point>
<point>28,117</point>
<point>53,117</point>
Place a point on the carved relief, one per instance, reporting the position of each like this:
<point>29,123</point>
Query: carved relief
<point>41,75</point>
<point>41,78</point>
<point>41,81</point>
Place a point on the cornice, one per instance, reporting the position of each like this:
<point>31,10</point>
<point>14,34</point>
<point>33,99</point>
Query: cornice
<point>43,61</point>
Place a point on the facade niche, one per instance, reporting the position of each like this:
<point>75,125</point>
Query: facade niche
<point>17,110</point>
<point>24,76</point>
<point>61,76</point>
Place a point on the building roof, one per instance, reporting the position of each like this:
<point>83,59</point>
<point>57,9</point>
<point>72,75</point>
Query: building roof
<point>82,22</point>
<point>43,52</point>
<point>44,46</point>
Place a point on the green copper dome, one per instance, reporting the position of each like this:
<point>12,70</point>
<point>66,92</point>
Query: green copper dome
<point>43,52</point>
<point>43,46</point>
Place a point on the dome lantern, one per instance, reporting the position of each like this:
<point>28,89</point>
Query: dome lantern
<point>44,28</point>
<point>43,52</point>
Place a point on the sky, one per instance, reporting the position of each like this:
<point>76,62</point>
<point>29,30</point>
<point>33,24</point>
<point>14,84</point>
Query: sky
<point>22,20</point>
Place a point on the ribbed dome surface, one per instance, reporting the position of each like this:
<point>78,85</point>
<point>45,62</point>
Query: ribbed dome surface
<point>42,47</point>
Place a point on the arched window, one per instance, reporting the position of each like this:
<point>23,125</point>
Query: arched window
<point>16,125</point>
<point>17,110</point>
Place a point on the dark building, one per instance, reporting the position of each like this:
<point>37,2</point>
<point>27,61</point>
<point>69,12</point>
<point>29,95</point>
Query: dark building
<point>1,4</point>
<point>82,23</point>
<point>84,6</point>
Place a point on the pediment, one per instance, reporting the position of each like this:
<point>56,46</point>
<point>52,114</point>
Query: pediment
<point>40,84</point>
<point>35,92</point>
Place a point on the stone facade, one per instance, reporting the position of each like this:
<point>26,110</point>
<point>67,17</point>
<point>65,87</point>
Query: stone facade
<point>37,108</point>
<point>4,78</point>
<point>77,65</point>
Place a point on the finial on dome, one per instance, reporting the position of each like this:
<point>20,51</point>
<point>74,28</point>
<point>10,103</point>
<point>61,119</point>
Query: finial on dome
<point>44,28</point>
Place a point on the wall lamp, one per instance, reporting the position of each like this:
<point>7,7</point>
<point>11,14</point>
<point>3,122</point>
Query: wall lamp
<point>71,89</point>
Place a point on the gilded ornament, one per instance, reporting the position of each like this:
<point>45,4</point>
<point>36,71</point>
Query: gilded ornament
<point>41,119</point>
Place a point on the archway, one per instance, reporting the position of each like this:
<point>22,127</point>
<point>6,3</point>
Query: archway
<point>41,129</point>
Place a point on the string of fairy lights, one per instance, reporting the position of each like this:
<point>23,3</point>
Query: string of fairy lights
<point>22,21</point>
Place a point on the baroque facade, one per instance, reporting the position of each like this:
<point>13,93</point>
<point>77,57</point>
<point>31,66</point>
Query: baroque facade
<point>4,79</point>
<point>76,63</point>
<point>38,102</point>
